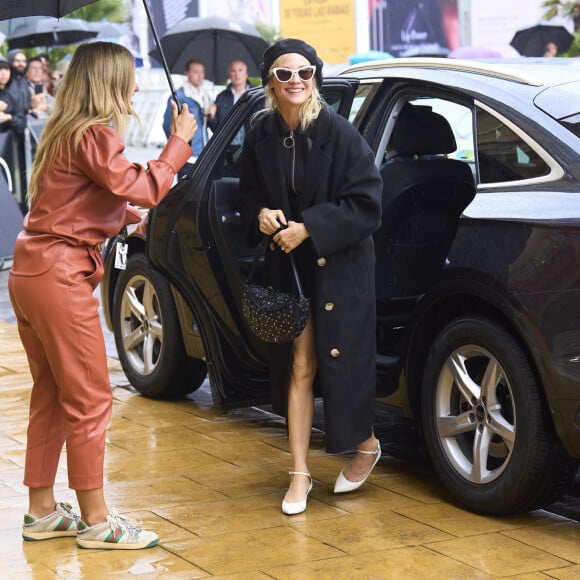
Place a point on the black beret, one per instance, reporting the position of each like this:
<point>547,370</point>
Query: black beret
<point>287,46</point>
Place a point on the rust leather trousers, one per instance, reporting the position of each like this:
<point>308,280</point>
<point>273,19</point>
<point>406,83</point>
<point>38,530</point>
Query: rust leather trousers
<point>71,397</point>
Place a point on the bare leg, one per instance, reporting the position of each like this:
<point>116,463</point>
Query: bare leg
<point>360,464</point>
<point>93,507</point>
<point>301,409</point>
<point>41,501</point>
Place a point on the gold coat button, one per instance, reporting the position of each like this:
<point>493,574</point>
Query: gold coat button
<point>321,262</point>
<point>272,246</point>
<point>329,306</point>
<point>335,353</point>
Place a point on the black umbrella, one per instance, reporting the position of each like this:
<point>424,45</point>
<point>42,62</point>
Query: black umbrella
<point>50,32</point>
<point>532,41</point>
<point>57,8</point>
<point>106,29</point>
<point>215,42</point>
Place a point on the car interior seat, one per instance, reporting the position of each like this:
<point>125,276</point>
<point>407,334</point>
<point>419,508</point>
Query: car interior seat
<point>424,194</point>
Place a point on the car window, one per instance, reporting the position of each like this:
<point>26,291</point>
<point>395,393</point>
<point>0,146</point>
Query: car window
<point>502,154</point>
<point>458,116</point>
<point>229,164</point>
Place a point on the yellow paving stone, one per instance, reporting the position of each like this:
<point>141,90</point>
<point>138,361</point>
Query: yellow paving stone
<point>15,381</point>
<point>162,439</point>
<point>120,425</point>
<point>142,410</point>
<point>247,481</point>
<point>561,539</point>
<point>243,454</point>
<point>570,573</point>
<point>396,564</point>
<point>244,576</point>
<point>160,492</point>
<point>368,499</point>
<point>151,563</point>
<point>528,576</point>
<point>154,464</point>
<point>460,522</point>
<point>498,554</point>
<point>241,514</point>
<point>370,532</point>
<point>412,482</point>
<point>233,431</point>
<point>256,550</point>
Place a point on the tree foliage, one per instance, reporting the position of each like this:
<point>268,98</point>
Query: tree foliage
<point>555,8</point>
<point>111,10</point>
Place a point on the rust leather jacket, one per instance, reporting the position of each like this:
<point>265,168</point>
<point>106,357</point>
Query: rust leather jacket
<point>87,202</point>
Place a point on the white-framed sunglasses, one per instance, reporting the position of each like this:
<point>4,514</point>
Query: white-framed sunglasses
<point>284,75</point>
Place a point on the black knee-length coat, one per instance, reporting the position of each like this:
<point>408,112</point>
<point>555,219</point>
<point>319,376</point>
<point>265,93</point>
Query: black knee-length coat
<point>341,209</point>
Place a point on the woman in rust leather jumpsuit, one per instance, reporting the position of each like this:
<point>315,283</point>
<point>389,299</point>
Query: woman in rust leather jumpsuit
<point>80,187</point>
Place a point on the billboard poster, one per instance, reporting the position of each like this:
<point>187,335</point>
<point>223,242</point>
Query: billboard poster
<point>328,25</point>
<point>413,27</point>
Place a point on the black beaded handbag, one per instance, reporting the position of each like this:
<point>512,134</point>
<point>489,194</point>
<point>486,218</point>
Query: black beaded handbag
<point>275,315</point>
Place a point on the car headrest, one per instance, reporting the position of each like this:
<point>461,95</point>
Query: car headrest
<point>420,131</point>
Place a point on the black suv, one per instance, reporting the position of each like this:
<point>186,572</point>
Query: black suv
<point>478,270</point>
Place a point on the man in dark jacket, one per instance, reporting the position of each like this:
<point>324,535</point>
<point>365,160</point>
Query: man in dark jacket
<point>238,84</point>
<point>19,85</point>
<point>11,117</point>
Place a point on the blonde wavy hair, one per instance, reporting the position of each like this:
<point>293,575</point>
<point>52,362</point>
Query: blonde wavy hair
<point>97,88</point>
<point>309,110</point>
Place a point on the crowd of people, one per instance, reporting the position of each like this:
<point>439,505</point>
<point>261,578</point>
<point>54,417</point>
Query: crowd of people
<point>209,114</point>
<point>28,87</point>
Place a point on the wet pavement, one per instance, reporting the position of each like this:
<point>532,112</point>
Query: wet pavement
<point>211,482</point>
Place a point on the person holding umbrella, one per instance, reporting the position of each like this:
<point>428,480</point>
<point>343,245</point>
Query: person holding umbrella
<point>309,182</point>
<point>198,101</point>
<point>79,194</point>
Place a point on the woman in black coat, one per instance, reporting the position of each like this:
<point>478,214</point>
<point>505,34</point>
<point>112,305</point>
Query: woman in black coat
<point>307,169</point>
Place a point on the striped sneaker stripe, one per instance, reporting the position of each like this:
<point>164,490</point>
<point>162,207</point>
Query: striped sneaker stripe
<point>115,536</point>
<point>65,524</point>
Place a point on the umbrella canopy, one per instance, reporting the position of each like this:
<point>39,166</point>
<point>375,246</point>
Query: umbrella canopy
<point>215,42</point>
<point>106,29</point>
<point>56,8</point>
<point>51,32</point>
<point>469,52</point>
<point>532,41</point>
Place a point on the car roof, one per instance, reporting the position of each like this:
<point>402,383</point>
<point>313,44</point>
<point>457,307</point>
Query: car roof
<point>529,71</point>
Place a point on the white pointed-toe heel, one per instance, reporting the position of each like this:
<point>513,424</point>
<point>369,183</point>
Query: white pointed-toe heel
<point>297,507</point>
<point>343,485</point>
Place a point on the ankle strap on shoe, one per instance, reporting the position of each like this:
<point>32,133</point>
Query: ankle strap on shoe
<point>375,452</point>
<point>300,473</point>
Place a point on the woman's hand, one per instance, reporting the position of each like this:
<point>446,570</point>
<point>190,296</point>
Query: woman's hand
<point>269,220</point>
<point>183,125</point>
<point>292,236</point>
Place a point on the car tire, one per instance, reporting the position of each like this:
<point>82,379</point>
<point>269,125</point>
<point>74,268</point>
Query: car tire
<point>486,424</point>
<point>148,335</point>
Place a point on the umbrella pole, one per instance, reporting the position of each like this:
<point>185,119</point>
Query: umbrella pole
<point>163,59</point>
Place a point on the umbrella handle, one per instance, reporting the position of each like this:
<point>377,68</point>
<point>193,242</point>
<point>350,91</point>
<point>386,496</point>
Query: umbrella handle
<point>163,59</point>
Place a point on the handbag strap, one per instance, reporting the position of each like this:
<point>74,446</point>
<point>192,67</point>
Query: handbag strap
<point>292,263</point>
